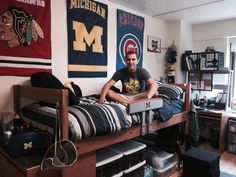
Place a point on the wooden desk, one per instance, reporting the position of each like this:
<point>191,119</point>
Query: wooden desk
<point>222,117</point>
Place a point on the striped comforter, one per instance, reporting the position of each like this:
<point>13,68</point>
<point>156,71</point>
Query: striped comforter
<point>89,118</point>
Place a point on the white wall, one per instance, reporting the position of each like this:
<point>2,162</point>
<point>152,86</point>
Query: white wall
<point>215,30</point>
<point>215,34</point>
<point>174,34</point>
<point>151,61</point>
<point>186,43</point>
<point>180,33</point>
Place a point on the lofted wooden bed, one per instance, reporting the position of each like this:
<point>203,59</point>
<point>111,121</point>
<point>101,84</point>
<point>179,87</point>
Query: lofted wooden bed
<point>85,166</point>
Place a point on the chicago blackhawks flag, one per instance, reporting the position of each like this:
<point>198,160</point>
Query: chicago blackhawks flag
<point>25,32</point>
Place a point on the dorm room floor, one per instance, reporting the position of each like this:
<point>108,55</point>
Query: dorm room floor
<point>227,160</point>
<point>227,164</point>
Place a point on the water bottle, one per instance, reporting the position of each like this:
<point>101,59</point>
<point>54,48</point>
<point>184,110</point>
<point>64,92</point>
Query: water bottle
<point>148,171</point>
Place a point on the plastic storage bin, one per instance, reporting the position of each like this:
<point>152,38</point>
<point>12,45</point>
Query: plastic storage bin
<point>133,153</point>
<point>109,163</point>
<point>169,170</point>
<point>136,170</point>
<point>232,148</point>
<point>232,135</point>
<point>232,125</point>
<point>160,159</point>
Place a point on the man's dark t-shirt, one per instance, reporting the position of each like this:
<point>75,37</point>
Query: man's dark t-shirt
<point>132,83</point>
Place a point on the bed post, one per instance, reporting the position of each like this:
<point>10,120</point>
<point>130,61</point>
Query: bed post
<point>63,110</point>
<point>188,97</point>
<point>187,89</point>
<point>187,105</point>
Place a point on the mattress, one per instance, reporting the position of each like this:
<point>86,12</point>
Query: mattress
<point>87,119</point>
<point>90,118</point>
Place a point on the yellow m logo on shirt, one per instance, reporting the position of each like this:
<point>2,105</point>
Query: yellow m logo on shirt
<point>28,145</point>
<point>82,36</point>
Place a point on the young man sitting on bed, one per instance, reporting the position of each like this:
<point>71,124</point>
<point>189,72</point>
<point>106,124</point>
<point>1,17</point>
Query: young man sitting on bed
<point>133,81</point>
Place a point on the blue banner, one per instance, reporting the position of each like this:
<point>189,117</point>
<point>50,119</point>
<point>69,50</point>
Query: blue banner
<point>130,29</point>
<point>87,38</point>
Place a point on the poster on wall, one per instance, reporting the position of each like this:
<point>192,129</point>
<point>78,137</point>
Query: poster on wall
<point>87,39</point>
<point>130,30</point>
<point>154,44</point>
<point>25,31</point>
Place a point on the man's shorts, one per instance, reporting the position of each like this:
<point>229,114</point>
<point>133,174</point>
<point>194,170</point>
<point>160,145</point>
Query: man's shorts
<point>130,97</point>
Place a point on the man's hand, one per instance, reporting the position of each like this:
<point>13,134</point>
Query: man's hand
<point>105,90</point>
<point>102,99</point>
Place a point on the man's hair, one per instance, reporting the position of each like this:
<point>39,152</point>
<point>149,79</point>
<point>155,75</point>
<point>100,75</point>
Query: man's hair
<point>130,52</point>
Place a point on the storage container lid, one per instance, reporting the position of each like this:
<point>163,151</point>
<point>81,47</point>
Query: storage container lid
<point>105,156</point>
<point>135,167</point>
<point>128,147</point>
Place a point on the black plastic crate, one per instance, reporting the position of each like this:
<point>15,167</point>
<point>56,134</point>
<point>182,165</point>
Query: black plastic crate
<point>109,163</point>
<point>133,153</point>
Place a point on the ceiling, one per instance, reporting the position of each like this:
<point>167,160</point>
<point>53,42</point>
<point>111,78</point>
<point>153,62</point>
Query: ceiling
<point>191,11</point>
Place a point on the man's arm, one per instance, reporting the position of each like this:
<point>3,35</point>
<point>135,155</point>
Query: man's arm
<point>105,90</point>
<point>152,88</point>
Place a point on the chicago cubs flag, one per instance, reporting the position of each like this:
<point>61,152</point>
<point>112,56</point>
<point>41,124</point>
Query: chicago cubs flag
<point>25,31</point>
<point>87,38</point>
<point>130,29</point>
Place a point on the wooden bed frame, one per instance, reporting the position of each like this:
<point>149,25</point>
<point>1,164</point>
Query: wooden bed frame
<point>85,166</point>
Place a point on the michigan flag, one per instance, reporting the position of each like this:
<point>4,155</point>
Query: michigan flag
<point>87,38</point>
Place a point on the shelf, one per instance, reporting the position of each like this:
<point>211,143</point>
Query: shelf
<point>200,80</point>
<point>211,71</point>
<point>203,61</point>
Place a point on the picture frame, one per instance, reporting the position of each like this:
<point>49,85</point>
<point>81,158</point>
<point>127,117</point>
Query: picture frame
<point>154,44</point>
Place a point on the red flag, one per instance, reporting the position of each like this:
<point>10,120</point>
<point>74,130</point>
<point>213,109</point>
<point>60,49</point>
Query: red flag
<point>25,31</point>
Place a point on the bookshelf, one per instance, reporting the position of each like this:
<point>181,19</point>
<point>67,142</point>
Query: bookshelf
<point>201,80</point>
<point>204,61</point>
<point>201,67</point>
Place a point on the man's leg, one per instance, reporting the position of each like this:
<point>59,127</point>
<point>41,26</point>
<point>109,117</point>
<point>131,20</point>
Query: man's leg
<point>126,99</point>
<point>118,97</point>
<point>144,95</point>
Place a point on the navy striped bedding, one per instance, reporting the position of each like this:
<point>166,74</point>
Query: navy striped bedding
<point>88,118</point>
<point>91,118</point>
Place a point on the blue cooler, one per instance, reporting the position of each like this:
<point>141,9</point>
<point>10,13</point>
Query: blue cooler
<point>108,163</point>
